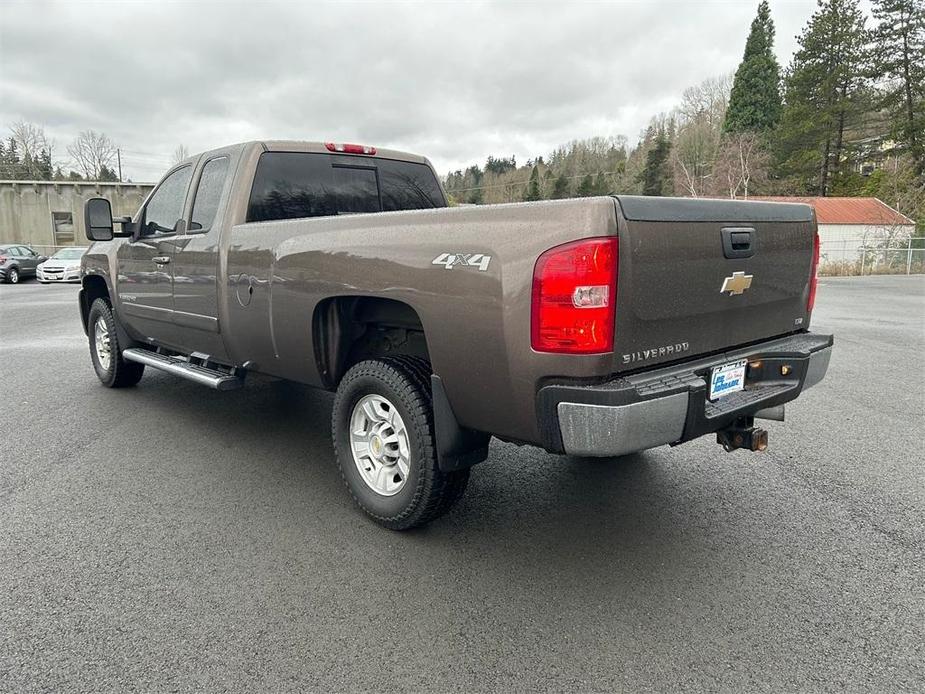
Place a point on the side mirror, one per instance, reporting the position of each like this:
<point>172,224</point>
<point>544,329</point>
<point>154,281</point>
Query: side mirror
<point>98,219</point>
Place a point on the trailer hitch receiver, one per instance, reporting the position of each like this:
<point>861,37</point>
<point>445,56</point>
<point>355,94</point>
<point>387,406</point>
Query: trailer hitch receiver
<point>743,434</point>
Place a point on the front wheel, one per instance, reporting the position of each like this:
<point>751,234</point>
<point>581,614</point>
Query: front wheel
<point>385,445</point>
<point>105,352</point>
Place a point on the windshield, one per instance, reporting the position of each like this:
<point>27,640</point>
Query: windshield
<point>69,254</point>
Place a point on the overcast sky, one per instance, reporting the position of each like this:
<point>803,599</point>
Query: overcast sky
<point>453,81</point>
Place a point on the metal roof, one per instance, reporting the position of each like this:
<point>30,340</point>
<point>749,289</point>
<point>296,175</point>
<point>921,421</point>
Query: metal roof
<point>871,211</point>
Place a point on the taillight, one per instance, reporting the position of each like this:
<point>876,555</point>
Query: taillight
<point>814,277</point>
<point>349,149</point>
<point>3,258</point>
<point>574,294</point>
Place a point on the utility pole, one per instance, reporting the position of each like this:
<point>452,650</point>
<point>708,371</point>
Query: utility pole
<point>119,160</point>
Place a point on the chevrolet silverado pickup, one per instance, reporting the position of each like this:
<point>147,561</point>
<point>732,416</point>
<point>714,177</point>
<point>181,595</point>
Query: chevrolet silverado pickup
<point>589,327</point>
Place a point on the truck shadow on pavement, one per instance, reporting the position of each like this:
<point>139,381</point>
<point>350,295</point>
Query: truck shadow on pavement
<point>521,502</point>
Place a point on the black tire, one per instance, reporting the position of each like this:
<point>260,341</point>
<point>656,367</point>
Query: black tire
<point>428,492</point>
<point>119,373</point>
<point>12,276</point>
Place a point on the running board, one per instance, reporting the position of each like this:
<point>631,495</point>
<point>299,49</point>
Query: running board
<point>178,366</point>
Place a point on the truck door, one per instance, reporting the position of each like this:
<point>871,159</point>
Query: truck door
<point>143,281</point>
<point>194,257</point>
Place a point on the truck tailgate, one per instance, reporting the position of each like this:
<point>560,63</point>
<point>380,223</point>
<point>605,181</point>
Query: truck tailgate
<point>674,264</point>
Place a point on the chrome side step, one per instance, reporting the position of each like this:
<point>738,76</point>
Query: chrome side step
<point>186,368</point>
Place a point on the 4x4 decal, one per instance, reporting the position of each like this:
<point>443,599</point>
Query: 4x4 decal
<point>451,260</point>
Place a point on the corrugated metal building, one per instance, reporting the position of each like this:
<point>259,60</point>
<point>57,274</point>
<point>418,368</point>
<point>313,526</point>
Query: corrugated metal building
<point>846,225</point>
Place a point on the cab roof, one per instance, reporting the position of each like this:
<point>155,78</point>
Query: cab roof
<point>322,148</point>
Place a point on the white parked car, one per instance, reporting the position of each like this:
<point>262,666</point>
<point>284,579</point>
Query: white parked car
<point>63,266</point>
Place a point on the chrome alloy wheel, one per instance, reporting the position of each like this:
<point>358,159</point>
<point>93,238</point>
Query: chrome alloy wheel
<point>102,343</point>
<point>380,446</point>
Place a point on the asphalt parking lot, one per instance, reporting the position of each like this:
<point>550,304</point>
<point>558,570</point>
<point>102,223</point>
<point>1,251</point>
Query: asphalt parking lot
<point>172,538</point>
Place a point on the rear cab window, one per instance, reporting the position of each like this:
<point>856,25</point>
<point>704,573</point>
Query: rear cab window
<point>208,194</point>
<point>289,185</point>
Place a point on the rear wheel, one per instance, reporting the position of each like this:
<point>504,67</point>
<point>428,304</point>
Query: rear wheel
<point>384,440</point>
<point>12,276</point>
<point>105,351</point>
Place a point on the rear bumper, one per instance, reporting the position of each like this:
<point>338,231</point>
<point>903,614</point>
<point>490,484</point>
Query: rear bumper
<point>669,405</point>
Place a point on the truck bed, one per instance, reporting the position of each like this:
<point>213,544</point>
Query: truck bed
<point>477,322</point>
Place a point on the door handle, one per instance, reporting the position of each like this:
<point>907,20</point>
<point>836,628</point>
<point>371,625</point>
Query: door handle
<point>161,259</point>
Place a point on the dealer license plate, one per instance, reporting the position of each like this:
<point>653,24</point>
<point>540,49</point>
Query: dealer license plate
<point>728,378</point>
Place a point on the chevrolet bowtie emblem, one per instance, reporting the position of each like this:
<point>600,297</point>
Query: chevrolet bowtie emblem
<point>737,284</point>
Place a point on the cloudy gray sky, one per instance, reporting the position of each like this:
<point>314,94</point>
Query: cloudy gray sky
<point>453,81</point>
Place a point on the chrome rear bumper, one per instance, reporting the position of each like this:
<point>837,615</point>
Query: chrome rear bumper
<point>669,405</point>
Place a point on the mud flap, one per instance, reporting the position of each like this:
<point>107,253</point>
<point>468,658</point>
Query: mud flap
<point>457,448</point>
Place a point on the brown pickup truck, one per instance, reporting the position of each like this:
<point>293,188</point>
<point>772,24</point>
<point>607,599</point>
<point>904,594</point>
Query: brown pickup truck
<point>590,327</point>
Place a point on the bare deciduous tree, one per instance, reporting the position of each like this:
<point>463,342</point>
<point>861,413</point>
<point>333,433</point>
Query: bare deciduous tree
<point>91,152</point>
<point>31,143</point>
<point>706,101</point>
<point>180,153</point>
<point>700,120</point>
<point>742,162</point>
<point>693,155</point>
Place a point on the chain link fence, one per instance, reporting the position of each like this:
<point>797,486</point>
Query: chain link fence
<point>853,257</point>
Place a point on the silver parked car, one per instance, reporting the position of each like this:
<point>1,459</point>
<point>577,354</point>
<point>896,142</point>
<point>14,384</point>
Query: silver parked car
<point>63,266</point>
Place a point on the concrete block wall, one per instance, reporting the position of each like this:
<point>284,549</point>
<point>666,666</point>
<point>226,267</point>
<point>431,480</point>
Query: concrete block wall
<point>26,207</point>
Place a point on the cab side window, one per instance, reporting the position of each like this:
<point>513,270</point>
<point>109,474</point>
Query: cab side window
<point>165,207</point>
<point>208,194</point>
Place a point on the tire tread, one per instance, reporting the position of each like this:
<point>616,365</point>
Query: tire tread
<point>125,373</point>
<point>436,491</point>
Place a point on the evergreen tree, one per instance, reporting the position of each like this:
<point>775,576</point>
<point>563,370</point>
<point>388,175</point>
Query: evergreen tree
<point>533,187</point>
<point>560,188</point>
<point>656,174</point>
<point>106,174</point>
<point>898,64</point>
<point>28,167</point>
<point>586,187</point>
<point>44,169</point>
<point>755,102</point>
<point>500,165</point>
<point>12,165</point>
<point>824,96</point>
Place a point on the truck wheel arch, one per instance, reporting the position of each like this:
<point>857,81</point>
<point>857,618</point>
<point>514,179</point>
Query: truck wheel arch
<point>349,329</point>
<point>93,287</point>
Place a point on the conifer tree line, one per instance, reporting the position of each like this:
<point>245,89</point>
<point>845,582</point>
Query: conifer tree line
<point>845,117</point>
